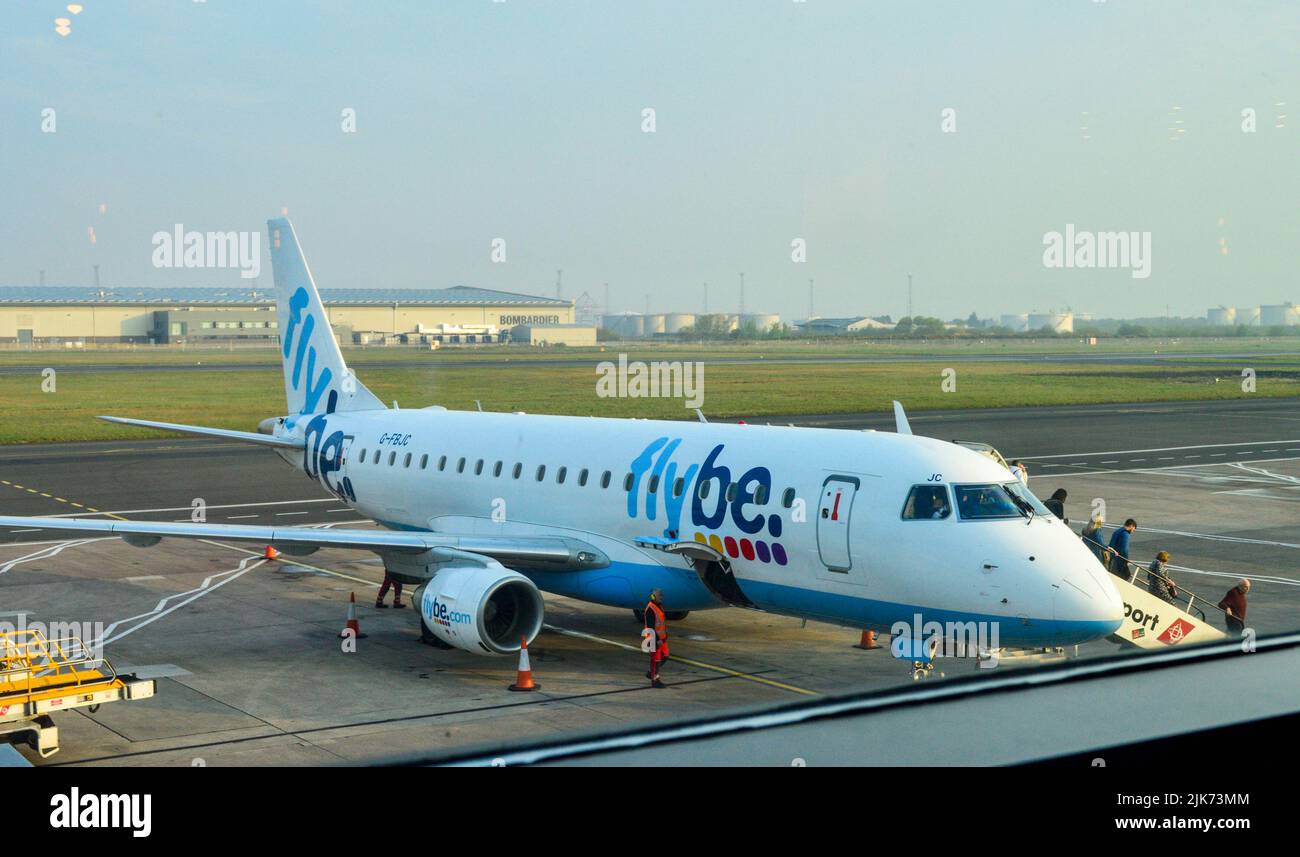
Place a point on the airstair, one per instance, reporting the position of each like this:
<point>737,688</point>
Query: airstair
<point>1151,622</point>
<point>39,677</point>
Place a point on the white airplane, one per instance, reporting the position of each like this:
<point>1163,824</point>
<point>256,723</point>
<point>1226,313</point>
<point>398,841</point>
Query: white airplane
<point>486,510</point>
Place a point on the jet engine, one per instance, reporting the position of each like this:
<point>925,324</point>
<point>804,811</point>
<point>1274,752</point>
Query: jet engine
<point>486,609</point>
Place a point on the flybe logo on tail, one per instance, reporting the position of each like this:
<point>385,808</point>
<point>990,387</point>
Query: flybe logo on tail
<point>297,335</point>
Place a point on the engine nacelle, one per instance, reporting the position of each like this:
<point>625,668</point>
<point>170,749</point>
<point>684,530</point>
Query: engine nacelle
<point>485,609</point>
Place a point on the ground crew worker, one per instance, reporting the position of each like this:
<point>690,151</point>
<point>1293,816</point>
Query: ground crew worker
<point>657,623</point>
<point>389,580</point>
<point>1234,606</point>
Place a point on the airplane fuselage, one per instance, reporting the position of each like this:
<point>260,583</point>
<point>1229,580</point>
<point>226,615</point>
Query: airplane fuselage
<point>810,520</point>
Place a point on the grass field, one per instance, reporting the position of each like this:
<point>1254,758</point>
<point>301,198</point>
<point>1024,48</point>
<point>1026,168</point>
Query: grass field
<point>239,399</point>
<point>252,356</point>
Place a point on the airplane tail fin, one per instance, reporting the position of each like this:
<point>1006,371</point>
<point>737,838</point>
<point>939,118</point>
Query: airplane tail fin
<point>316,380</point>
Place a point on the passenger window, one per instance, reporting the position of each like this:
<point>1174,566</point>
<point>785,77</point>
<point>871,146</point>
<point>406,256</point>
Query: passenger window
<point>560,474</point>
<point>460,466</point>
<point>519,468</point>
<point>362,457</point>
<point>760,495</point>
<point>654,484</point>
<point>679,486</point>
<point>496,469</point>
<point>787,499</point>
<point>582,478</point>
<point>392,458</point>
<point>478,467</point>
<point>704,489</point>
<point>731,492</point>
<point>627,482</point>
<point>424,461</point>
<point>442,463</point>
<point>604,479</point>
<point>407,461</point>
<point>541,472</point>
<point>378,452</point>
<point>927,503</point>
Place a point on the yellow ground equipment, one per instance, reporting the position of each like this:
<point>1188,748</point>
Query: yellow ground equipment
<point>39,677</point>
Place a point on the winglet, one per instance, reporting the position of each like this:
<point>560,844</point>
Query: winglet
<point>900,419</point>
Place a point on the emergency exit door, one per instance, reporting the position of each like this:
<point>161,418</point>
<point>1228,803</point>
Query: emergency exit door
<point>833,514</point>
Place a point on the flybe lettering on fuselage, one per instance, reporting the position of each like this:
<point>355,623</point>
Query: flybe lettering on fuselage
<point>297,334</point>
<point>718,502</point>
<point>323,455</point>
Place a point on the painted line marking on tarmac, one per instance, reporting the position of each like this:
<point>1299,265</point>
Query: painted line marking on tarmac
<point>188,508</point>
<point>1170,467</point>
<point>161,610</point>
<point>700,664</point>
<point>1159,449</point>
<point>1263,578</point>
<point>48,552</point>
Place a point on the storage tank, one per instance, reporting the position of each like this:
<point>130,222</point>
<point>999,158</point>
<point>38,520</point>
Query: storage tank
<point>629,325</point>
<point>1221,316</point>
<point>1017,322</point>
<point>676,322</point>
<point>1279,314</point>
<point>715,322</point>
<point>654,324</point>
<point>762,321</point>
<point>1059,322</point>
<point>1248,315</point>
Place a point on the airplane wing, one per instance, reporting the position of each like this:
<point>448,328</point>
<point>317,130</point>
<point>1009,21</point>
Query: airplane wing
<point>204,431</point>
<point>559,553</point>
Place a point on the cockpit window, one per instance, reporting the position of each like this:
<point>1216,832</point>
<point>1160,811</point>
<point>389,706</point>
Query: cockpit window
<point>1027,496</point>
<point>1000,500</point>
<point>926,503</point>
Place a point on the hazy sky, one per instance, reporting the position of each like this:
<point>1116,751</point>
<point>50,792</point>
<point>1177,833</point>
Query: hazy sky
<point>775,120</point>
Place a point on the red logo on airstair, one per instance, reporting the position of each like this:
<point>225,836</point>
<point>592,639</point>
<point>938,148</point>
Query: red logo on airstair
<point>1176,632</point>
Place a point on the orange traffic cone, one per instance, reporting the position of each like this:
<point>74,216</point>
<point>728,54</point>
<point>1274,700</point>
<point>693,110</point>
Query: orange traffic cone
<point>271,553</point>
<point>868,641</point>
<point>352,628</point>
<point>525,679</point>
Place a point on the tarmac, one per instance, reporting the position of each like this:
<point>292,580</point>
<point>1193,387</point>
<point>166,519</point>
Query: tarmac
<point>250,669</point>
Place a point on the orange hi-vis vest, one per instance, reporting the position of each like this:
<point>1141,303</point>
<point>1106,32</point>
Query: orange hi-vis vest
<point>660,627</point>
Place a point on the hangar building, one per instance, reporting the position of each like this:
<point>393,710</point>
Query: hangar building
<point>78,314</point>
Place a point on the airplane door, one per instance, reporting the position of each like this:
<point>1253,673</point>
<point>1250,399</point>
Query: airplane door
<point>833,513</point>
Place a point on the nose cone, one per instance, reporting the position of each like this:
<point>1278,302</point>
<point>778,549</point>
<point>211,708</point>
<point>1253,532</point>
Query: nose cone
<point>1087,605</point>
